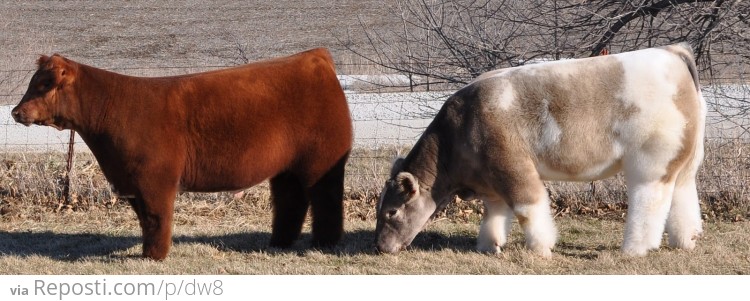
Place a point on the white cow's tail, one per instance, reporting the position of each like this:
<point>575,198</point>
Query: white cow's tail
<point>686,54</point>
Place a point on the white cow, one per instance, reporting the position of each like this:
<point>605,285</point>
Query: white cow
<point>498,138</point>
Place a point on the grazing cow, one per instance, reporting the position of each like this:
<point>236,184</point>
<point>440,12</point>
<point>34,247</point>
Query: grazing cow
<point>498,138</point>
<point>285,119</point>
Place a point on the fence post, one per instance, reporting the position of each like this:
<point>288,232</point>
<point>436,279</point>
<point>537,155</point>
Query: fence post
<point>411,83</point>
<point>69,167</point>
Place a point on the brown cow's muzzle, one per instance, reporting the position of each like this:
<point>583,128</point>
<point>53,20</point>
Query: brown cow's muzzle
<point>27,115</point>
<point>20,116</point>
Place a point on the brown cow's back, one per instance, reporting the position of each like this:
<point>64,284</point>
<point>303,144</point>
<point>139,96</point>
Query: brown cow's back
<point>244,124</point>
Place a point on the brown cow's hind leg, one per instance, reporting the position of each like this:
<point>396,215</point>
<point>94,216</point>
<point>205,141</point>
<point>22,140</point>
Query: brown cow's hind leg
<point>289,209</point>
<point>155,217</point>
<point>327,197</point>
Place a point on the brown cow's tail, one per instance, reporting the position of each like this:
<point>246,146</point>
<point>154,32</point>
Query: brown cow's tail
<point>324,54</point>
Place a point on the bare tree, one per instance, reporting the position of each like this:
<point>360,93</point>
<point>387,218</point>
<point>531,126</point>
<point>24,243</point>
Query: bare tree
<point>454,41</point>
<point>447,43</point>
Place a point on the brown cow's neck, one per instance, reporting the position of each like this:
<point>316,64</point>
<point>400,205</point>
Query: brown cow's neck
<point>99,92</point>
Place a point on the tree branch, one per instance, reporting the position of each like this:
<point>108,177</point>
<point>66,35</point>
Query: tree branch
<point>639,12</point>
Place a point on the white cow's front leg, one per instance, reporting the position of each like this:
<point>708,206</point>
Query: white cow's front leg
<point>648,207</point>
<point>496,226</point>
<point>538,226</point>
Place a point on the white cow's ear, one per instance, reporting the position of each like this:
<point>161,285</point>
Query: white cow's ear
<point>396,167</point>
<point>408,184</point>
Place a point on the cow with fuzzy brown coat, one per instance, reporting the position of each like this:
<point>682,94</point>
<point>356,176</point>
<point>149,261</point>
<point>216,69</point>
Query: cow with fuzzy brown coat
<point>501,136</point>
<point>285,119</point>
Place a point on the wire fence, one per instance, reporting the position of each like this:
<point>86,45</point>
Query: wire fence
<point>388,114</point>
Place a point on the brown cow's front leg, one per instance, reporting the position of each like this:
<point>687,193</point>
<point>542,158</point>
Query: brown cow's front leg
<point>156,184</point>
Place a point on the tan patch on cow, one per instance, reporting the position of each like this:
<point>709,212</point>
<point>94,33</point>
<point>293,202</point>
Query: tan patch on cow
<point>522,220</point>
<point>687,103</point>
<point>571,98</point>
<point>507,140</point>
<point>497,94</point>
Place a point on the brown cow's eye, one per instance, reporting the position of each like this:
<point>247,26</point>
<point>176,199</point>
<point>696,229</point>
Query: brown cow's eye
<point>45,86</point>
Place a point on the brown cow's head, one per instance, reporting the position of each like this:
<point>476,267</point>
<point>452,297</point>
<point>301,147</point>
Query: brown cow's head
<point>403,210</point>
<point>46,101</point>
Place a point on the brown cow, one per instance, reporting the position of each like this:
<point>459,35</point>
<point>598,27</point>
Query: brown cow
<point>285,119</point>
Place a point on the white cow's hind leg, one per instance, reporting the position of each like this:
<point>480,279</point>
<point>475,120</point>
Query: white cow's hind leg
<point>496,226</point>
<point>538,226</point>
<point>684,223</point>
<point>648,206</point>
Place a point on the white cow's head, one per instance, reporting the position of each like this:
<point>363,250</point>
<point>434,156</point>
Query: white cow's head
<point>403,210</point>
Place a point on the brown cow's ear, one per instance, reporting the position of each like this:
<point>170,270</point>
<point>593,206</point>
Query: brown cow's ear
<point>42,60</point>
<point>409,184</point>
<point>66,75</point>
<point>65,72</point>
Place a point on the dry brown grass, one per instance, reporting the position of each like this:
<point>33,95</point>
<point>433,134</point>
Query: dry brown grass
<point>35,179</point>
<point>216,238</point>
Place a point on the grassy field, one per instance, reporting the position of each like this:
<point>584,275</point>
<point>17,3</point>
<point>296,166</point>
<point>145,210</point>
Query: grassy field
<point>231,238</point>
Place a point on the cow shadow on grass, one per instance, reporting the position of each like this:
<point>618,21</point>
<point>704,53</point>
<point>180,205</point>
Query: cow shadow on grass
<point>77,246</point>
<point>436,241</point>
<point>63,246</point>
<point>358,242</point>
